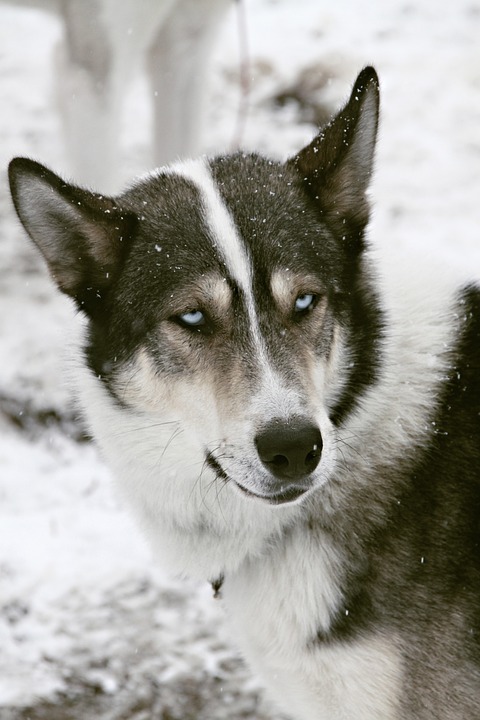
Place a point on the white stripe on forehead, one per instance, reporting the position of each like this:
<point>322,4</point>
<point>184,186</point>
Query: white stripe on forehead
<point>233,252</point>
<point>219,221</point>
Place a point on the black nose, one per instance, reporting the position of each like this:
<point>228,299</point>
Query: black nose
<point>292,450</point>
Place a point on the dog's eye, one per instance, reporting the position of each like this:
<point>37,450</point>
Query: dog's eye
<point>305,302</point>
<point>192,319</point>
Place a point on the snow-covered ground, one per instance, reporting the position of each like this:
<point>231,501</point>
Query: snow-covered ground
<point>89,626</point>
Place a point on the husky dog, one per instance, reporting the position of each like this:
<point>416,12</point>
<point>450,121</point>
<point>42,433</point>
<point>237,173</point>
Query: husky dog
<point>104,42</point>
<point>282,419</point>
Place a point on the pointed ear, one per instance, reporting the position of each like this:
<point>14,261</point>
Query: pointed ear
<point>82,235</point>
<point>337,165</point>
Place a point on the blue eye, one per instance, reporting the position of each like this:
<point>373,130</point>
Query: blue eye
<point>304,302</point>
<point>194,318</point>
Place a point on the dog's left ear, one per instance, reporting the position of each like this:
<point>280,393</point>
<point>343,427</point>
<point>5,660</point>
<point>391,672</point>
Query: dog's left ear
<point>82,235</point>
<point>337,165</point>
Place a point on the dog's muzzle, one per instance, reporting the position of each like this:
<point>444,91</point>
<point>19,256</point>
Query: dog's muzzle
<point>290,451</point>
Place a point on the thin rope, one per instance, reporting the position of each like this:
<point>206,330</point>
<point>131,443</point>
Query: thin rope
<point>244,75</point>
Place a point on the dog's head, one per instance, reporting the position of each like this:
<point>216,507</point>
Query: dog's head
<point>229,311</point>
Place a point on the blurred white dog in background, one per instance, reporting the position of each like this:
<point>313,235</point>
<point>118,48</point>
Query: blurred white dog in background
<point>105,41</point>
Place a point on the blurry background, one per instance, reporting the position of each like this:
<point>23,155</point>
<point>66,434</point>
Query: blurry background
<point>89,627</point>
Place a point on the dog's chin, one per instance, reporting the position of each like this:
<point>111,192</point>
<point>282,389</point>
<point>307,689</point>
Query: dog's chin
<point>288,496</point>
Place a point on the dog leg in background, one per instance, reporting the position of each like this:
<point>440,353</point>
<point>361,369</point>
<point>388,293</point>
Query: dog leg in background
<point>177,62</point>
<point>105,42</point>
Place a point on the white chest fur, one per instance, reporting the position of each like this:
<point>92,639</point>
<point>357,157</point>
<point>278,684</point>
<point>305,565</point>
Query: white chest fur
<point>277,604</point>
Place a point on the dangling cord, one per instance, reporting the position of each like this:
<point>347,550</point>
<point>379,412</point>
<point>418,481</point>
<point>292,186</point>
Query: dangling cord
<point>244,73</point>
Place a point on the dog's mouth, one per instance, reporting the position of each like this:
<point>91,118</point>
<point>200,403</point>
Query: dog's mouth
<point>286,495</point>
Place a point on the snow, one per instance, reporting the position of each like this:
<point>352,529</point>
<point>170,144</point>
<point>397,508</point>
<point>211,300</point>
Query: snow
<point>89,626</point>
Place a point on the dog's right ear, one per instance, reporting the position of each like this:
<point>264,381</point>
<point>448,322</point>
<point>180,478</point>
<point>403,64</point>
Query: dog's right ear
<point>82,235</point>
